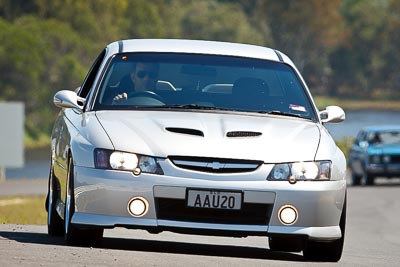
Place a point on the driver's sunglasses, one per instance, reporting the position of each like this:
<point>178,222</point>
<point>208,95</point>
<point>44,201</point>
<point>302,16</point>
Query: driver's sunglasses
<point>142,73</point>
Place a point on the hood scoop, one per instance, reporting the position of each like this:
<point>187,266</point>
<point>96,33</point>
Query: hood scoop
<point>185,131</point>
<point>243,134</point>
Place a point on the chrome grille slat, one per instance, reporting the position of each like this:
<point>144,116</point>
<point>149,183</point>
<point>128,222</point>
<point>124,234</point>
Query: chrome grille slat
<point>215,164</point>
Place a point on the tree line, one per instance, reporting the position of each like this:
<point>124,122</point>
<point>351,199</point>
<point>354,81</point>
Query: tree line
<point>344,48</point>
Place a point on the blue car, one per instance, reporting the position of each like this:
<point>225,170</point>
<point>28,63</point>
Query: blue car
<point>375,153</point>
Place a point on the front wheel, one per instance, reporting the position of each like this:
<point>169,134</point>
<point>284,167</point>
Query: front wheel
<point>54,222</point>
<point>72,234</point>
<point>327,251</point>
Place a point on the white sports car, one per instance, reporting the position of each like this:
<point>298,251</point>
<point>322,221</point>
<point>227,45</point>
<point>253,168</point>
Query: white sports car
<point>197,137</point>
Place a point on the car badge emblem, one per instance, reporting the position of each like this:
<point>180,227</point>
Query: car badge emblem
<point>215,165</point>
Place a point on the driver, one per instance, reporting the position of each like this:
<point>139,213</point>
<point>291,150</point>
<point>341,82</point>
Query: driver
<point>143,78</point>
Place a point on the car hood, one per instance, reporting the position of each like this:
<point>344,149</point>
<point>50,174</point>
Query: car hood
<point>384,149</point>
<point>204,134</point>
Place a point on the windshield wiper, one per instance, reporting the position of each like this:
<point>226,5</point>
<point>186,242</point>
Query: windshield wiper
<point>194,106</point>
<point>281,113</point>
<point>189,106</point>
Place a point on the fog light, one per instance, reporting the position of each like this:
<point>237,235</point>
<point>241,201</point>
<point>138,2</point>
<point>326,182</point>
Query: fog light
<point>287,214</point>
<point>138,206</point>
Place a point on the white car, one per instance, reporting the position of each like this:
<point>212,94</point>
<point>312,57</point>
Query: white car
<point>197,137</point>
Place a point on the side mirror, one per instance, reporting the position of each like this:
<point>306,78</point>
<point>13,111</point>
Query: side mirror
<point>68,99</point>
<point>332,114</point>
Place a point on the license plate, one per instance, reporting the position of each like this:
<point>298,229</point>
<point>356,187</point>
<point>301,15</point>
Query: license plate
<point>211,199</point>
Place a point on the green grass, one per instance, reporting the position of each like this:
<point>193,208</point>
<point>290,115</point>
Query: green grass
<point>23,210</point>
<point>345,145</point>
<point>40,142</point>
<point>351,104</point>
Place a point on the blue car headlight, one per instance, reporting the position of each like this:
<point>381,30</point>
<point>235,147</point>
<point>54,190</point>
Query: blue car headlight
<point>124,161</point>
<point>310,170</point>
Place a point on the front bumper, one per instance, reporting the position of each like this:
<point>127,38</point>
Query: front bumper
<point>102,197</point>
<point>386,170</point>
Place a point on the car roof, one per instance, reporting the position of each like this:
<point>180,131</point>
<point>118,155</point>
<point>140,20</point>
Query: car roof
<point>198,47</point>
<point>382,128</point>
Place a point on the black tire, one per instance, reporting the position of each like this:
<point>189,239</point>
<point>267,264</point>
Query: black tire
<point>72,234</point>
<point>54,222</point>
<point>327,251</point>
<point>369,179</point>
<point>356,179</point>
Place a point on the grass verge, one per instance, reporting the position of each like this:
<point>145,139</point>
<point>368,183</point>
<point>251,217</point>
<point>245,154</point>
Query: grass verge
<point>40,142</point>
<point>23,210</point>
<point>345,145</point>
<point>351,104</point>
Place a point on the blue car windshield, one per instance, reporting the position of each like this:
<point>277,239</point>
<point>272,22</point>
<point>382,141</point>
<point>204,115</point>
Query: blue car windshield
<point>202,82</point>
<point>384,138</point>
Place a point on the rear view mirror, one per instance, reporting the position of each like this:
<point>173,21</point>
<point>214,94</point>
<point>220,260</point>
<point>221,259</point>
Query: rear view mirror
<point>332,114</point>
<point>68,99</point>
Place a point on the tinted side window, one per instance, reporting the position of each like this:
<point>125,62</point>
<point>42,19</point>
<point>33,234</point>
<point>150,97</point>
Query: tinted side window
<point>89,79</point>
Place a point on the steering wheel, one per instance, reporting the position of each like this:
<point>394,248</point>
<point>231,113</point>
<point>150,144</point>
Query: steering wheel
<point>147,98</point>
<point>149,94</point>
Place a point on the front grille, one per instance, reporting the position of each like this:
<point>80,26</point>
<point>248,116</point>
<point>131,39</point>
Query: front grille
<point>215,165</point>
<point>395,159</point>
<point>177,210</point>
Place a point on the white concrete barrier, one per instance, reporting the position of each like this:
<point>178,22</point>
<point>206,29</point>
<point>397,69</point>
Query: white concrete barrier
<point>11,136</point>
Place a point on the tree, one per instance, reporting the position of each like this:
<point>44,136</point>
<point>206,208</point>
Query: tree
<point>305,30</point>
<point>341,46</point>
<point>215,21</point>
<point>358,63</point>
<point>38,58</point>
<point>390,51</point>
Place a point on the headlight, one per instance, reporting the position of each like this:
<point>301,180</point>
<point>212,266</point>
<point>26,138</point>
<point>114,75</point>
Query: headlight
<point>148,164</point>
<point>123,161</point>
<point>306,170</point>
<point>280,172</point>
<point>313,170</point>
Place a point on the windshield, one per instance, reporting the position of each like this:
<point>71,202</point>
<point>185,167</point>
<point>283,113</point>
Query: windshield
<point>384,138</point>
<point>202,82</point>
